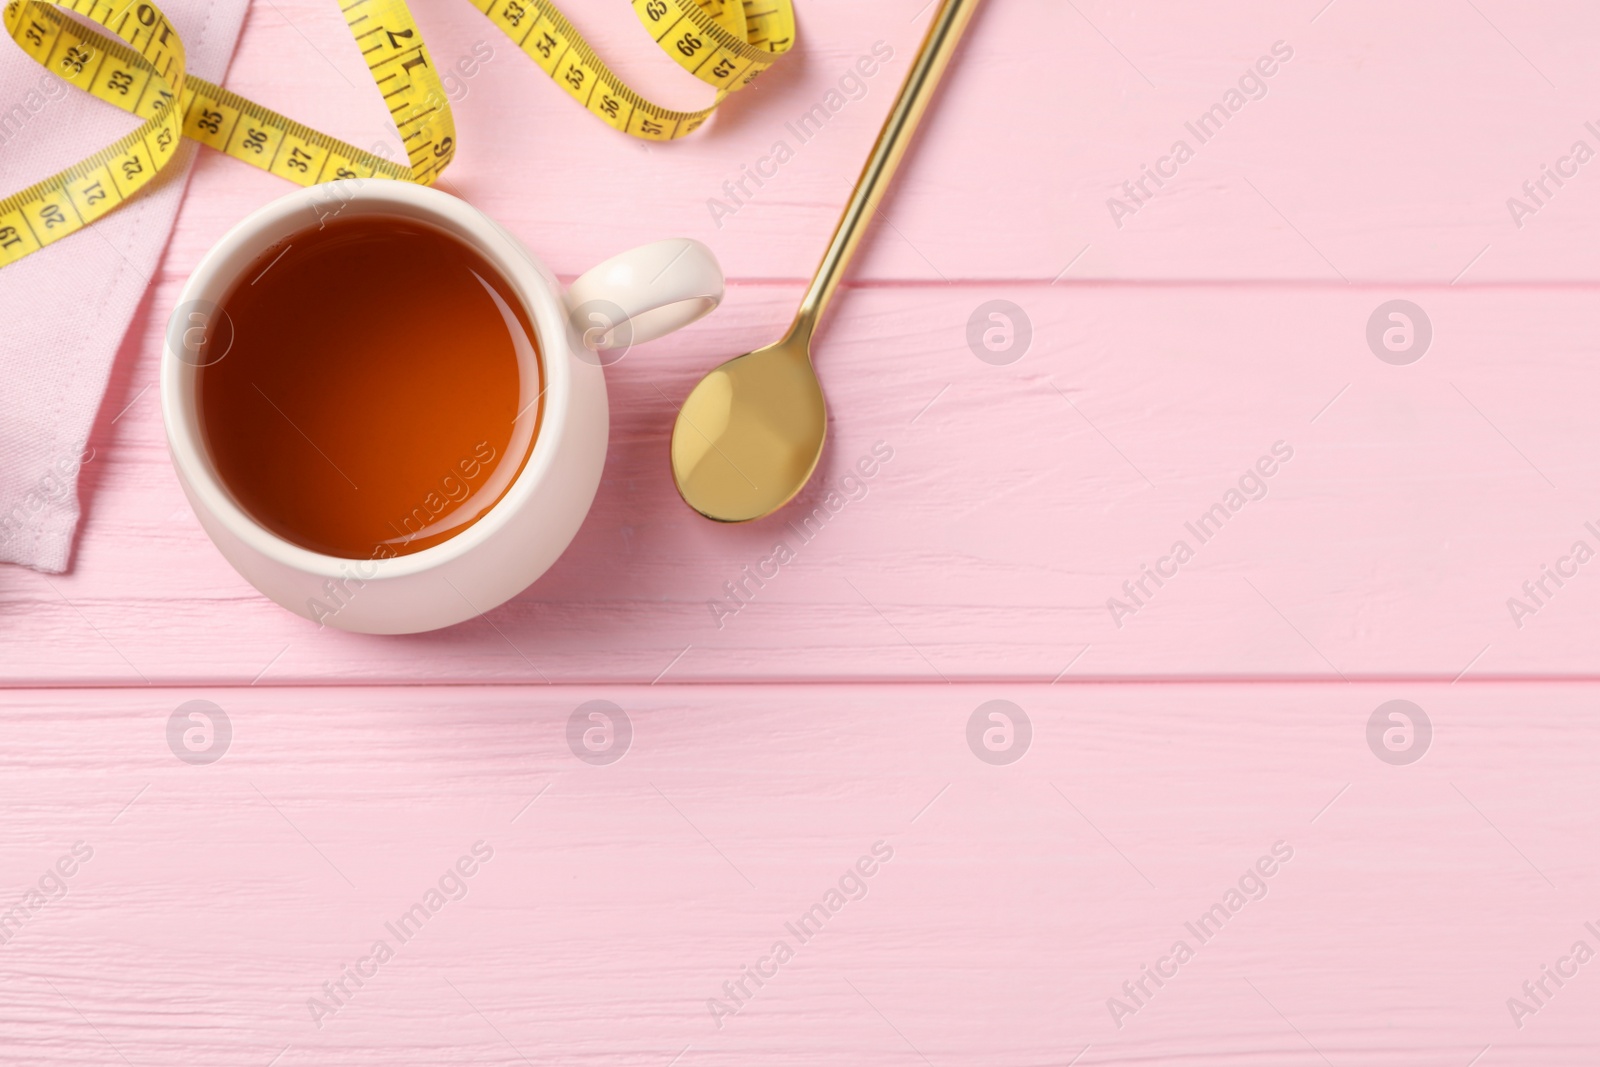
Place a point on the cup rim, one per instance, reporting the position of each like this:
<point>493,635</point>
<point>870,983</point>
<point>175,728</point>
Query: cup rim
<point>223,263</point>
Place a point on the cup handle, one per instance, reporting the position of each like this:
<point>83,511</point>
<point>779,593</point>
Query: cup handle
<point>644,293</point>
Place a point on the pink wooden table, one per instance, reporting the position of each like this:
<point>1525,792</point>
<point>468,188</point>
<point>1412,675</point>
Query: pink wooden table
<point>1197,763</point>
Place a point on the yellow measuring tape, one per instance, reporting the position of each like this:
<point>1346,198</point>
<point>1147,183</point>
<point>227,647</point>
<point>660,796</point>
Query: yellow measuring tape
<point>725,43</point>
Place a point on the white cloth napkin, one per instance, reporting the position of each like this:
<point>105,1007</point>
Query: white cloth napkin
<point>64,309</point>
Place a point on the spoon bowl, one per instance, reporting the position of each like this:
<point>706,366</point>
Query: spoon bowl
<point>748,437</point>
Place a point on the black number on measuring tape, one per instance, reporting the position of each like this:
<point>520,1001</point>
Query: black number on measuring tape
<point>163,99</point>
<point>513,13</point>
<point>163,139</point>
<point>546,46</point>
<point>444,147</point>
<point>9,236</point>
<point>689,44</point>
<point>146,15</point>
<point>76,59</point>
<point>574,76</point>
<point>609,104</point>
<point>300,160</point>
<point>344,172</point>
<point>723,68</point>
<point>655,9</point>
<point>210,121</point>
<point>393,42</point>
<point>93,194</point>
<point>35,33</point>
<point>53,216</point>
<point>120,81</point>
<point>131,166</point>
<point>255,140</point>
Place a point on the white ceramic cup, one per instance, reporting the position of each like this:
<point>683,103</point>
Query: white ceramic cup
<point>631,298</point>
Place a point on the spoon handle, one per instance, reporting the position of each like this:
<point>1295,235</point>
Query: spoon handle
<point>943,35</point>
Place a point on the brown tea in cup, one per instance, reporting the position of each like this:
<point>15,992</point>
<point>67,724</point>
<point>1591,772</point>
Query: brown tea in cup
<point>382,391</point>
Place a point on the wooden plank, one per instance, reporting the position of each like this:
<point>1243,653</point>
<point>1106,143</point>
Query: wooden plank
<point>1171,356</point>
<point>1419,500</point>
<point>619,898</point>
<point>1386,149</point>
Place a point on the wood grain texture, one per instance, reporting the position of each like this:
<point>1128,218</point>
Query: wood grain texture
<point>1019,500</point>
<point>1230,712</point>
<point>1384,150</point>
<point>1021,497</point>
<point>620,898</point>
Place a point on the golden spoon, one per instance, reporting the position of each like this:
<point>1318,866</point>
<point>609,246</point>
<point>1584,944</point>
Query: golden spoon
<point>749,435</point>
